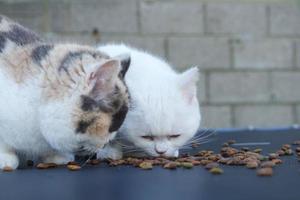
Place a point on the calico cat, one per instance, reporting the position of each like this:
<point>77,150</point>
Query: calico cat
<point>164,113</point>
<point>56,100</point>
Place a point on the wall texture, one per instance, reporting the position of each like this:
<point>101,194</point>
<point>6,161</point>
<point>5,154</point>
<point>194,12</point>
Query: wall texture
<point>248,51</point>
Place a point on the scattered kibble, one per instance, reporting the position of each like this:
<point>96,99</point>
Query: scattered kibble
<point>73,167</point>
<point>146,165</point>
<point>7,169</point>
<point>171,165</point>
<point>265,172</point>
<point>187,165</point>
<point>252,164</point>
<point>257,150</point>
<point>46,165</point>
<point>216,170</point>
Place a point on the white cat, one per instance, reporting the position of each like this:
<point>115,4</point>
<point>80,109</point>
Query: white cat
<point>164,113</point>
<point>56,99</point>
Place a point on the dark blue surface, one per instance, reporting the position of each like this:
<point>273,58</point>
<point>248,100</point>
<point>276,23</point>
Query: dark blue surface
<point>126,182</point>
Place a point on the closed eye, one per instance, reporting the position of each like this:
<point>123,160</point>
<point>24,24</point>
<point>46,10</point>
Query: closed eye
<point>148,137</point>
<point>173,136</point>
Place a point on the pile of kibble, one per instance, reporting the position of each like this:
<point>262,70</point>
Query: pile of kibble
<point>252,159</point>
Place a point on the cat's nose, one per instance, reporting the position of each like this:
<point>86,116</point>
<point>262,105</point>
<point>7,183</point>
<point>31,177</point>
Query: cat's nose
<point>160,152</point>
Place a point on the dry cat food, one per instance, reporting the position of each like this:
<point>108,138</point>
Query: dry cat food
<point>73,167</point>
<point>46,165</point>
<point>7,169</point>
<point>210,160</point>
<point>268,171</point>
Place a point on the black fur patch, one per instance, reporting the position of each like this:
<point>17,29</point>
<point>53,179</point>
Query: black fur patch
<point>83,125</point>
<point>2,42</point>
<point>125,65</point>
<point>88,104</point>
<point>21,36</point>
<point>118,119</point>
<point>40,52</point>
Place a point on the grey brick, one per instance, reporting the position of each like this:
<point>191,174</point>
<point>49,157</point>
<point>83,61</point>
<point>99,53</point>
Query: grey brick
<point>237,87</point>
<point>216,117</point>
<point>284,19</point>
<point>298,53</point>
<point>154,45</point>
<point>201,88</point>
<point>239,18</point>
<point>285,86</point>
<point>171,17</point>
<point>263,53</point>
<point>85,39</point>
<point>298,114</point>
<point>105,15</point>
<point>29,14</point>
<point>263,116</point>
<point>204,52</point>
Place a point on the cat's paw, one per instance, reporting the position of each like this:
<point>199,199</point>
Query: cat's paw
<point>110,152</point>
<point>9,160</point>
<point>59,159</point>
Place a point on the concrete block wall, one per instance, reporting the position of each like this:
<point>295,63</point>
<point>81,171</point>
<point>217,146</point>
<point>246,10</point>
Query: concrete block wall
<point>248,50</point>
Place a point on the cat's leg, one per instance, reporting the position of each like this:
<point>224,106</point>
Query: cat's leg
<point>58,158</point>
<point>110,151</point>
<point>8,157</point>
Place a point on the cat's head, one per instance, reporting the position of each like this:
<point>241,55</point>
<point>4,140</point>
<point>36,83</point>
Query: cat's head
<point>94,109</point>
<point>165,115</point>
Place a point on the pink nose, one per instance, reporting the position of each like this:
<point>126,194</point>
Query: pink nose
<point>160,152</point>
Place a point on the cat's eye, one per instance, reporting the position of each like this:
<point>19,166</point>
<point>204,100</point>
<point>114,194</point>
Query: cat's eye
<point>148,137</point>
<point>173,136</point>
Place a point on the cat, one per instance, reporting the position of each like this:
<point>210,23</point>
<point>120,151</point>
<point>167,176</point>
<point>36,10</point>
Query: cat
<point>164,113</point>
<point>57,100</point>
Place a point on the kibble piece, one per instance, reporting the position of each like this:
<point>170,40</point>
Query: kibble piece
<point>187,165</point>
<point>257,150</point>
<point>252,164</point>
<point>267,164</point>
<point>145,165</point>
<point>277,161</point>
<point>73,167</point>
<point>211,165</point>
<point>288,152</point>
<point>216,170</point>
<point>265,172</point>
<point>94,162</point>
<point>280,152</point>
<point>273,156</point>
<point>170,165</point>
<point>7,169</point>
<point>46,165</point>
<point>285,147</point>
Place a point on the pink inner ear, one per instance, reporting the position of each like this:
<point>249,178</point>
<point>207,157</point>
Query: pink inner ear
<point>91,77</point>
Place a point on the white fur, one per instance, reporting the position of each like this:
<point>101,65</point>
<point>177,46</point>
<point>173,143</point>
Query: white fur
<point>164,103</point>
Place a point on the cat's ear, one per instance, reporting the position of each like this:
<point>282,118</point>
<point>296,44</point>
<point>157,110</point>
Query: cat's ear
<point>125,61</point>
<point>188,83</point>
<point>103,78</point>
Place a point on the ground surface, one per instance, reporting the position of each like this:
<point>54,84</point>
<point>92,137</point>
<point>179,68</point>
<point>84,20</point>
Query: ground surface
<point>126,182</point>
